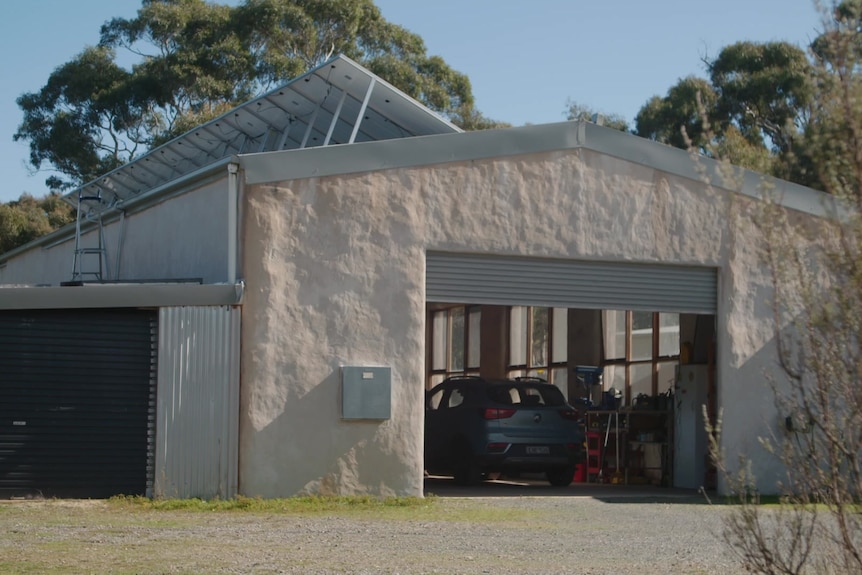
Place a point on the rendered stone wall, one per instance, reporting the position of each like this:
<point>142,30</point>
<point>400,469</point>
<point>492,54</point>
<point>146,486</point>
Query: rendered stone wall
<point>335,274</point>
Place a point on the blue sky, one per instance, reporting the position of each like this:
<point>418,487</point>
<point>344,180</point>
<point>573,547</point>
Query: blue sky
<point>525,58</point>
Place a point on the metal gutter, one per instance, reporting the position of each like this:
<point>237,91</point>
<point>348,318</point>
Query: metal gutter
<point>121,295</point>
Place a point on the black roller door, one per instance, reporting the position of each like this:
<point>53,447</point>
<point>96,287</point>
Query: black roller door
<point>77,389</point>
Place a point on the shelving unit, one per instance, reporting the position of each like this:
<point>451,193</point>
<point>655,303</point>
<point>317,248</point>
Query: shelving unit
<point>629,446</point>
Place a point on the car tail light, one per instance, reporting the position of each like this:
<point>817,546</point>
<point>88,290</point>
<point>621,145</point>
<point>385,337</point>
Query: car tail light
<point>569,414</point>
<point>497,447</point>
<point>498,413</point>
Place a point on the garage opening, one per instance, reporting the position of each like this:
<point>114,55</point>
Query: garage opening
<point>77,402</point>
<point>630,345</point>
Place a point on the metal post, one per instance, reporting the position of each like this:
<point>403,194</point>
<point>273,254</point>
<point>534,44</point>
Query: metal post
<point>362,110</point>
<point>335,118</point>
<point>310,126</point>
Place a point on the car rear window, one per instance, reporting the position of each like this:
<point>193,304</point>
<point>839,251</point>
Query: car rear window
<point>526,394</point>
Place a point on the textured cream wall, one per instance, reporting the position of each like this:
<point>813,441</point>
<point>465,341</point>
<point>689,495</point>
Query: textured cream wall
<point>335,274</point>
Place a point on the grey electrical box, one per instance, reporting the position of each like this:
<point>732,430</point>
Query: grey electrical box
<point>366,392</point>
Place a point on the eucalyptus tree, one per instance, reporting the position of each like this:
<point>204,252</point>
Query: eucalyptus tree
<point>814,127</point>
<point>765,90</point>
<point>680,117</point>
<point>28,218</point>
<point>755,108</point>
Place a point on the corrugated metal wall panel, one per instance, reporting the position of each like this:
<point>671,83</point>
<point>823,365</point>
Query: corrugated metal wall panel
<point>75,389</point>
<point>499,280</point>
<point>198,402</point>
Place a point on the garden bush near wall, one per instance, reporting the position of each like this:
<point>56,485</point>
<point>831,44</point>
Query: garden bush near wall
<point>816,269</point>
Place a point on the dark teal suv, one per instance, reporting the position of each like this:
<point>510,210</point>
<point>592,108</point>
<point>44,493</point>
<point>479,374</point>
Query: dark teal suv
<point>476,426</point>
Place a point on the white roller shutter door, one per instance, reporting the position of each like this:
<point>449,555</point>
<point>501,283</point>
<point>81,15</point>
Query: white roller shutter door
<point>506,280</point>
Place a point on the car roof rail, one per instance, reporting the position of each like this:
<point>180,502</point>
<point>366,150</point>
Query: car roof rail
<point>463,377</point>
<point>531,378</point>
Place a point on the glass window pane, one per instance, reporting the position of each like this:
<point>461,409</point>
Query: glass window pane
<point>641,320</point>
<point>435,379</point>
<point>456,398</point>
<point>641,335</point>
<point>456,350</point>
<point>614,328</point>
<point>539,338</point>
<point>474,333</point>
<point>613,378</point>
<point>513,373</point>
<point>666,376</point>
<point>641,374</point>
<point>517,336</point>
<point>668,334</point>
<point>560,339</point>
<point>539,372</point>
<point>583,387</point>
<point>434,400</point>
<point>559,376</point>
<point>439,329</point>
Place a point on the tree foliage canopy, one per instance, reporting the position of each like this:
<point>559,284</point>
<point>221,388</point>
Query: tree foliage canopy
<point>816,275</point>
<point>28,218</point>
<point>195,59</point>
<point>755,107</point>
<point>764,90</point>
<point>676,116</point>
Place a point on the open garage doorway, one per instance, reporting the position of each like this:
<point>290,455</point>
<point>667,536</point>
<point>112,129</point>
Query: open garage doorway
<point>631,346</point>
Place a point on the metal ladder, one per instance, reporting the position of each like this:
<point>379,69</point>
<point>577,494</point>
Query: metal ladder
<point>84,267</point>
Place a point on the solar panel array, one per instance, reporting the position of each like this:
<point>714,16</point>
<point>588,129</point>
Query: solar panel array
<point>339,102</point>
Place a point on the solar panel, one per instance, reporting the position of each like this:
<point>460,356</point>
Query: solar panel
<point>338,102</point>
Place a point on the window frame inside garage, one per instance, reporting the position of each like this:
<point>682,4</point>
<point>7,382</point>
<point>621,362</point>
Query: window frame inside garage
<point>454,347</point>
<point>537,345</point>
<point>637,368</point>
<point>534,340</point>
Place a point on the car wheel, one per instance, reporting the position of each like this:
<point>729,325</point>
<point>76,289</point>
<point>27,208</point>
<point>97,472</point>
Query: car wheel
<point>561,477</point>
<point>466,469</point>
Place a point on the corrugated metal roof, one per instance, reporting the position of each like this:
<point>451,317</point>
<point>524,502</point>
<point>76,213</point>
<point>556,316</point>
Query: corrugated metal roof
<point>338,102</point>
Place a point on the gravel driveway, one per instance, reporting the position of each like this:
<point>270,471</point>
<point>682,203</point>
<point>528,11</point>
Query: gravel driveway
<point>491,529</point>
<point>593,530</point>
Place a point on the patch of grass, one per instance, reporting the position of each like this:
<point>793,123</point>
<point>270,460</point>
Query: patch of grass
<point>367,507</point>
<point>291,505</point>
<point>763,500</point>
<point>780,502</point>
<point>20,568</point>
